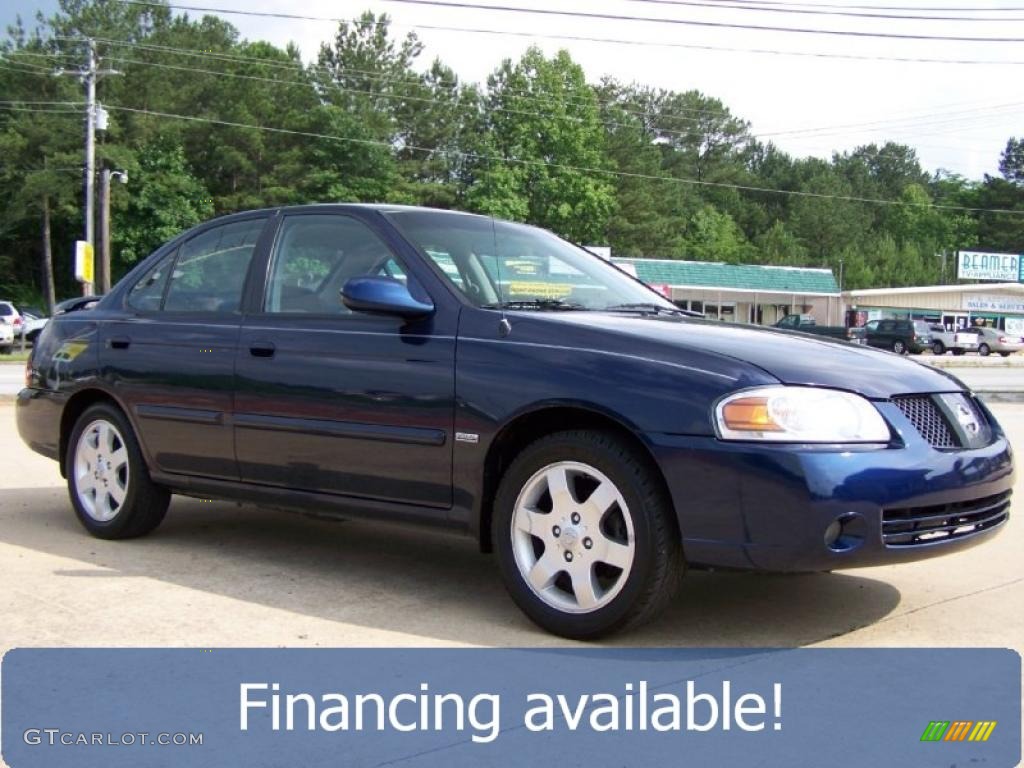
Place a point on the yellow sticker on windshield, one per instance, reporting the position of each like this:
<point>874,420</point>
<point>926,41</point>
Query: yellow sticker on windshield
<point>539,290</point>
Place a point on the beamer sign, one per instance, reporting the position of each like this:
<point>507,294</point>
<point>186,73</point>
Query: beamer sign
<point>977,265</point>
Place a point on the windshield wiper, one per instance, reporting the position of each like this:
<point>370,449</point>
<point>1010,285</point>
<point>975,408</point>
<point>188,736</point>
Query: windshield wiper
<point>542,304</point>
<point>656,309</point>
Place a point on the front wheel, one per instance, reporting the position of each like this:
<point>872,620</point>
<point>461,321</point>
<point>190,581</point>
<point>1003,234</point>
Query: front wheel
<point>984,350</point>
<point>108,481</point>
<point>585,537</point>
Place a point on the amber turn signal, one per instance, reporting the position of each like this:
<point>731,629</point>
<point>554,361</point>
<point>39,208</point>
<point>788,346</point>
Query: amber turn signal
<point>749,414</point>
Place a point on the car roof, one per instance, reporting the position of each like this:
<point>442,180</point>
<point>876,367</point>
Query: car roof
<point>379,207</point>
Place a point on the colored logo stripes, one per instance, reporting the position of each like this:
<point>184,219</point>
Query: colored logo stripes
<point>958,730</point>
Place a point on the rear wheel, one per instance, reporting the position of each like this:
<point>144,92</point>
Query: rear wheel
<point>108,481</point>
<point>1005,354</point>
<point>984,350</point>
<point>899,347</point>
<point>585,538</point>
<point>938,348</point>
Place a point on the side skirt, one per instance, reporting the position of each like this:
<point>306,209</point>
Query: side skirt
<point>323,504</point>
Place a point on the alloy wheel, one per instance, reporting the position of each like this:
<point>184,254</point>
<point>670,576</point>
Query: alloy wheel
<point>101,470</point>
<point>572,537</point>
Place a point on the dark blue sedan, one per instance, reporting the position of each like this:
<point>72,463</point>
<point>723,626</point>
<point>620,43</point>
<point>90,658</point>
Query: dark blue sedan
<point>443,368</point>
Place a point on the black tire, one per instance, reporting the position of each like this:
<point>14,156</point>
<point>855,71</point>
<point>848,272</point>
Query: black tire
<point>145,503</point>
<point>1005,354</point>
<point>899,347</point>
<point>984,350</point>
<point>938,348</point>
<point>5,350</point>
<point>657,564</point>
<point>958,352</point>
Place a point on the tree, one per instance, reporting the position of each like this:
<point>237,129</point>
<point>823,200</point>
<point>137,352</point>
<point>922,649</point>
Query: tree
<point>163,200</point>
<point>544,148</point>
<point>1011,161</point>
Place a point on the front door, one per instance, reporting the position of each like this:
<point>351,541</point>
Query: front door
<point>172,362</point>
<point>339,402</point>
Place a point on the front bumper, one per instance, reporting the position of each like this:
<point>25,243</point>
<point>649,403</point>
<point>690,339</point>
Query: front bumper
<point>745,505</point>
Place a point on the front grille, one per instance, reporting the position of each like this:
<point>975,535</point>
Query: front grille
<point>924,525</point>
<point>924,414</point>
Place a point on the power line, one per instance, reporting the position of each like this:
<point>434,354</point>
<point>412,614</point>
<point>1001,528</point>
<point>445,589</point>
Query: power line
<point>978,9</point>
<point>411,79</point>
<point>588,38</point>
<point>563,166</point>
<point>732,5</point>
<point>924,120</point>
<point>696,23</point>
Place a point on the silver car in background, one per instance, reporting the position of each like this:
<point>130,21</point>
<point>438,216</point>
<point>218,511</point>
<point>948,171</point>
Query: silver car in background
<point>993,340</point>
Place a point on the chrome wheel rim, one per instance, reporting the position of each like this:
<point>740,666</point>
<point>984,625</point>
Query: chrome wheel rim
<point>101,470</point>
<point>572,537</point>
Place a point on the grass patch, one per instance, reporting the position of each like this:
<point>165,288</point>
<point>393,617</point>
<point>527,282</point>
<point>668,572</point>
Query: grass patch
<point>17,356</point>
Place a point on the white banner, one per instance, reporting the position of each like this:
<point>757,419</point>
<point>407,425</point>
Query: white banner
<point>993,303</point>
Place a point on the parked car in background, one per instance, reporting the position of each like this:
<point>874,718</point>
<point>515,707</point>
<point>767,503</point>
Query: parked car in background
<point>899,336</point>
<point>571,420</point>
<point>6,337</point>
<point>11,318</point>
<point>33,322</point>
<point>807,324</point>
<point>993,340</point>
<point>957,341</point>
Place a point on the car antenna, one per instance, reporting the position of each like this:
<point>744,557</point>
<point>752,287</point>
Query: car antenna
<point>504,326</point>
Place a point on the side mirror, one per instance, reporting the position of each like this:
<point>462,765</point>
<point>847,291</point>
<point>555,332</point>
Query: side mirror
<point>383,296</point>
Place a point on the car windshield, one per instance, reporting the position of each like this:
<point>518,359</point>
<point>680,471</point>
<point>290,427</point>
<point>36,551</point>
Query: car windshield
<point>498,264</point>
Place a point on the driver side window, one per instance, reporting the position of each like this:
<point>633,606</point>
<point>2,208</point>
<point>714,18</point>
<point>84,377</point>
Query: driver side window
<point>316,254</point>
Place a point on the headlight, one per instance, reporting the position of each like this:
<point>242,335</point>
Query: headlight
<point>799,415</point>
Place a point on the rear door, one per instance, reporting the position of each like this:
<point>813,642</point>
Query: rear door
<point>171,361</point>
<point>339,402</point>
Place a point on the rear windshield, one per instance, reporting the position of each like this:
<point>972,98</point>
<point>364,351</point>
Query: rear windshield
<point>921,327</point>
<point>6,310</point>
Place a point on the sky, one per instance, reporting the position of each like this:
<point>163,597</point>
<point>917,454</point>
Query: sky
<point>957,116</point>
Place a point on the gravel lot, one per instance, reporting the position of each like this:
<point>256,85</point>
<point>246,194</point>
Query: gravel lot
<point>218,574</point>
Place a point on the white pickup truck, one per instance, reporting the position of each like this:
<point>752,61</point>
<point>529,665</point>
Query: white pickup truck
<point>956,341</point>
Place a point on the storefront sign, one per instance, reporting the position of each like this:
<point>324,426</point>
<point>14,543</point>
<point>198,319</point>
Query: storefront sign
<point>976,265</point>
<point>993,303</point>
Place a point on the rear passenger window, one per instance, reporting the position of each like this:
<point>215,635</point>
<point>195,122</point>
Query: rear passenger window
<point>210,270</point>
<point>147,294</point>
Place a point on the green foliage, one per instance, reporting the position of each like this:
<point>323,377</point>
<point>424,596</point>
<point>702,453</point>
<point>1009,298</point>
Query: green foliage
<point>651,172</point>
<point>164,200</point>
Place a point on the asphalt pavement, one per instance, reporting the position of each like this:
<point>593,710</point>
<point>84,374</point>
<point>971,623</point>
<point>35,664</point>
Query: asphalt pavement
<point>12,378</point>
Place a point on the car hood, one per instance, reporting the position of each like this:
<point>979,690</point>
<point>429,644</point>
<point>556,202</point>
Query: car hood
<point>792,358</point>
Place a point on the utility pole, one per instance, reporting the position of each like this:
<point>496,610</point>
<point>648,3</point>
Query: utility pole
<point>103,273</point>
<point>89,76</point>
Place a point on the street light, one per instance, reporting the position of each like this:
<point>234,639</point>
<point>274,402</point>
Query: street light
<point>104,270</point>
